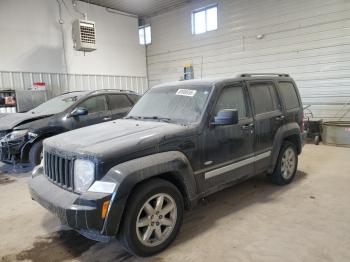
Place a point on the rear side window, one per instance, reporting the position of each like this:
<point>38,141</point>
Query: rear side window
<point>232,97</point>
<point>119,102</point>
<point>95,104</point>
<point>264,97</point>
<point>289,95</point>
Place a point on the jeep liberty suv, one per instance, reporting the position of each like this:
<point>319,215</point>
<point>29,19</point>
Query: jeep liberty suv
<point>132,178</point>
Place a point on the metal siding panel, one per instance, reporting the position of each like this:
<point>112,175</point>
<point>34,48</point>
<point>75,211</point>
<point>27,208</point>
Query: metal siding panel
<point>309,40</point>
<point>57,84</point>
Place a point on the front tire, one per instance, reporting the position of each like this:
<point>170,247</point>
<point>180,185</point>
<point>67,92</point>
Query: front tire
<point>35,153</point>
<point>286,166</point>
<point>153,218</point>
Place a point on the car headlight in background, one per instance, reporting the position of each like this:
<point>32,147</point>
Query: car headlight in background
<point>15,135</point>
<point>2,134</point>
<point>84,174</point>
<point>32,135</point>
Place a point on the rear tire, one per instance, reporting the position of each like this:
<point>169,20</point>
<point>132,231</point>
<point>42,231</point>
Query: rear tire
<point>317,140</point>
<point>286,166</point>
<point>152,219</point>
<point>35,153</point>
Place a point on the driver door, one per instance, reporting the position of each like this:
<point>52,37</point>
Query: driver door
<point>97,112</point>
<point>228,149</point>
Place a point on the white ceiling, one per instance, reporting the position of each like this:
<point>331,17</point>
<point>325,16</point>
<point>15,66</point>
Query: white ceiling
<point>143,8</point>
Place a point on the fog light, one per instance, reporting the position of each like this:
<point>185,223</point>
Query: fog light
<point>104,209</point>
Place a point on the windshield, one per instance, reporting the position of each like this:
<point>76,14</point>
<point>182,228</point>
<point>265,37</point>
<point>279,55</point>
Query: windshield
<point>57,104</point>
<point>173,104</point>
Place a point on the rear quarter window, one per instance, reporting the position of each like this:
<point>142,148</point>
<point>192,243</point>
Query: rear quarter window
<point>289,95</point>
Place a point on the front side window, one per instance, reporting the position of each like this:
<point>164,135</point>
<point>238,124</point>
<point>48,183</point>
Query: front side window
<point>172,103</point>
<point>232,97</point>
<point>205,20</point>
<point>95,104</point>
<point>289,95</point>
<point>264,97</point>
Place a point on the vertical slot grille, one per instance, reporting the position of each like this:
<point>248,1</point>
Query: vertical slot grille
<point>59,170</point>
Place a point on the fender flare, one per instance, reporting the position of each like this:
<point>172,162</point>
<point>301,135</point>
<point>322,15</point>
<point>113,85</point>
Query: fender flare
<point>128,174</point>
<point>283,132</point>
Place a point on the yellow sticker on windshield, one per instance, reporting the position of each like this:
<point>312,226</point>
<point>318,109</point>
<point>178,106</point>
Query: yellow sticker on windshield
<point>186,92</point>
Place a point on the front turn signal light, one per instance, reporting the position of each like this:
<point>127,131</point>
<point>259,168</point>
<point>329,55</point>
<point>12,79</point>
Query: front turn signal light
<point>105,209</point>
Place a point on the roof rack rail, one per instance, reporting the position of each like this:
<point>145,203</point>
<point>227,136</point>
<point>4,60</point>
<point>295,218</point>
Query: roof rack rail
<point>263,74</point>
<point>112,89</point>
<point>73,91</point>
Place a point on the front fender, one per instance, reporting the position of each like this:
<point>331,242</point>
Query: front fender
<point>26,148</point>
<point>128,174</point>
<point>284,131</point>
<point>41,136</point>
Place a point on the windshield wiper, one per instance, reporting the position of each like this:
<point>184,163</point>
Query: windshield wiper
<point>132,117</point>
<point>163,119</point>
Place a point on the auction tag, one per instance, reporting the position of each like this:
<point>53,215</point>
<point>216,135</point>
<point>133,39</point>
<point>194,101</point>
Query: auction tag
<point>186,92</point>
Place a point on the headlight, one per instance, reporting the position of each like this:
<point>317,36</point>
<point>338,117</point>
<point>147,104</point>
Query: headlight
<point>84,174</point>
<point>32,135</point>
<point>14,135</point>
<point>2,134</point>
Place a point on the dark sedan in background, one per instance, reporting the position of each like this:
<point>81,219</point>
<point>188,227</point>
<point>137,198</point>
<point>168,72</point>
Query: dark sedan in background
<point>22,134</point>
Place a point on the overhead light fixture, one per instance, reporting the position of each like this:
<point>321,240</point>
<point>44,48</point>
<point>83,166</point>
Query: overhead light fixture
<point>260,36</point>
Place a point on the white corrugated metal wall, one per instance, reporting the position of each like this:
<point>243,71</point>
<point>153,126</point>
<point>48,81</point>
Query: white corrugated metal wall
<point>309,39</point>
<point>60,83</point>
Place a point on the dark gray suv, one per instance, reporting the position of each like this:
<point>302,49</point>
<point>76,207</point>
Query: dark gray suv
<point>132,178</point>
<point>22,134</point>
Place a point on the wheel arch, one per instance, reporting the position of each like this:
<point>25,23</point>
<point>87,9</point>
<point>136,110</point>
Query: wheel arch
<point>26,148</point>
<point>294,139</point>
<point>289,132</point>
<point>180,185</point>
<point>172,166</point>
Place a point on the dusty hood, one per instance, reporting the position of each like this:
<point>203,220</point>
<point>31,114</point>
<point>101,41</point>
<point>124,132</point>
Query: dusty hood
<point>115,137</point>
<point>2,115</point>
<point>9,121</point>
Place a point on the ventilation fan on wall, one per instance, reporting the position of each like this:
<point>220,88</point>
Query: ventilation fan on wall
<point>84,35</point>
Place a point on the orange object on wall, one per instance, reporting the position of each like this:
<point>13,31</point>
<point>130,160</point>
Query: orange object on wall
<point>10,101</point>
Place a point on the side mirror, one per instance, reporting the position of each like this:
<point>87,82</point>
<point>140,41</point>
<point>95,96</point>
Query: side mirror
<point>226,117</point>
<point>79,111</point>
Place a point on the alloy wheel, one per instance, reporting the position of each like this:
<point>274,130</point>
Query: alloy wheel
<point>156,220</point>
<point>288,163</point>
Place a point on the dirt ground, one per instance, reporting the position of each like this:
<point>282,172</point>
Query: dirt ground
<point>308,220</point>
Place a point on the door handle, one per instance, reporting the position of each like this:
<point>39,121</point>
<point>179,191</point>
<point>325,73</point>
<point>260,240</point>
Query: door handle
<point>279,118</point>
<point>107,118</point>
<point>247,126</point>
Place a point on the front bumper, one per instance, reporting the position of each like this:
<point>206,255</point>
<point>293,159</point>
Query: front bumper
<point>80,212</point>
<point>10,151</point>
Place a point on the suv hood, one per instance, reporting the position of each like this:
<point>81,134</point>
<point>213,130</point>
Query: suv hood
<point>118,137</point>
<point>9,121</point>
